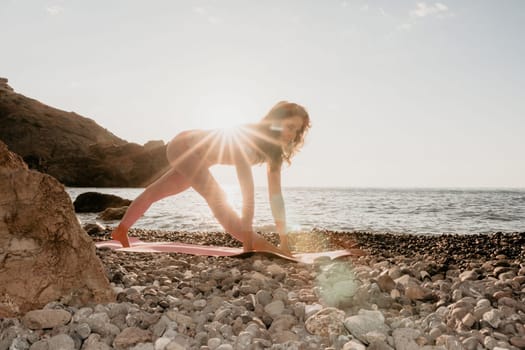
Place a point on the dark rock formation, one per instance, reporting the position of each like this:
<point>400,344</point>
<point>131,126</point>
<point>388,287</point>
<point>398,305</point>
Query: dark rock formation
<point>44,254</point>
<point>74,149</point>
<point>112,214</point>
<point>94,202</point>
<point>94,229</point>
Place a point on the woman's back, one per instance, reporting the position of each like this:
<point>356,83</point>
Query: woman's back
<point>219,146</point>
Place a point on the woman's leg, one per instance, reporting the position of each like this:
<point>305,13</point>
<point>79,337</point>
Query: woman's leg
<point>187,154</point>
<point>205,184</point>
<point>171,183</point>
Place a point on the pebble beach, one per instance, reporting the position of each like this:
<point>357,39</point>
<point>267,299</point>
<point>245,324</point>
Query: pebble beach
<point>405,292</point>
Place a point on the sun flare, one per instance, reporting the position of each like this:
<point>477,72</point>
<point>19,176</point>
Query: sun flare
<point>230,132</point>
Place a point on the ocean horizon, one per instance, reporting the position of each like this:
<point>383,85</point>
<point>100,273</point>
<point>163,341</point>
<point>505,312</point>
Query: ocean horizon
<point>375,209</point>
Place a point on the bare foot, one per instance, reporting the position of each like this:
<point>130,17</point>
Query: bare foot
<point>121,235</point>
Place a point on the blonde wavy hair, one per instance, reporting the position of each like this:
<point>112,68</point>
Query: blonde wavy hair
<point>267,135</point>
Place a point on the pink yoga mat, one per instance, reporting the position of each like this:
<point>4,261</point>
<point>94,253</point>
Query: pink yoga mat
<point>139,246</point>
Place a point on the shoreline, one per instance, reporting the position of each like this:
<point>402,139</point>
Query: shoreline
<point>381,244</point>
<point>409,291</point>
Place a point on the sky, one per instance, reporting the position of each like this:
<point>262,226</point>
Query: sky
<point>400,93</point>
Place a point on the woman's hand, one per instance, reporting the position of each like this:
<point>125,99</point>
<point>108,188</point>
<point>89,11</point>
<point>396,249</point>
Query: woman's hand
<point>247,243</point>
<point>284,243</point>
<point>259,243</point>
<point>247,233</point>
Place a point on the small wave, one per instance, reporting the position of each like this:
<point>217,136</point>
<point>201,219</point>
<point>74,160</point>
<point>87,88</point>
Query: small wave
<point>499,218</point>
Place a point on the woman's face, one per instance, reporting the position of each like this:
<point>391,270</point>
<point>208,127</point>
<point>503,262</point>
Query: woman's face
<point>290,128</point>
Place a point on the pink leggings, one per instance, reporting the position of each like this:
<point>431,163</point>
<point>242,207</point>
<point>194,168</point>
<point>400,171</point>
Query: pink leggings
<point>187,169</point>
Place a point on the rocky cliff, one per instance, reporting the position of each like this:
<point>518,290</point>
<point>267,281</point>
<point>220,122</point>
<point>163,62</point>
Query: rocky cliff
<point>74,149</point>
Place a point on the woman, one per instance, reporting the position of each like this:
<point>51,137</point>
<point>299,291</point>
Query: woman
<point>274,140</point>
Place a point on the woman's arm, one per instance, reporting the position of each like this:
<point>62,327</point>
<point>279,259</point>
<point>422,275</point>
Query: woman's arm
<point>245,176</point>
<point>277,204</point>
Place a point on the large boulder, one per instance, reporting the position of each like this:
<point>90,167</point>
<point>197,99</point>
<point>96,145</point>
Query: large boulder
<point>111,214</point>
<point>72,148</point>
<point>44,253</point>
<point>94,202</point>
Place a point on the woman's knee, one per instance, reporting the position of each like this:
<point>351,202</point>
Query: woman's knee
<point>157,191</point>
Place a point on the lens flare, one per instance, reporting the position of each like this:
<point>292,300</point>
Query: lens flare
<point>337,284</point>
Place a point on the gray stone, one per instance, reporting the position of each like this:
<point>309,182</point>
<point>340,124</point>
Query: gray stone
<point>40,345</point>
<point>468,320</point>
<point>225,347</point>
<point>19,343</point>
<point>354,345</point>
<point>489,342</point>
<point>470,343</point>
<point>159,328</point>
<point>311,309</point>
<point>366,321</point>
<point>379,345</point>
<point>116,309</point>
<point>244,339</point>
<point>493,318</point>
<point>82,314</point>
<point>283,337</point>
<point>47,318</point>
<point>175,346</point>
<point>326,322</point>
<point>83,330</point>
<point>96,346</point>
<point>98,322</point>
<point>375,337</point>
<point>161,343</point>
<point>61,342</point>
<point>404,338</point>
<point>275,308</point>
<point>143,346</point>
<point>263,297</point>
<point>213,343</point>
<point>469,275</point>
<point>283,323</point>
<point>131,336</point>
<point>450,342</point>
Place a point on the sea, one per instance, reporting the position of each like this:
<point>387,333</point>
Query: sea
<point>402,210</point>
